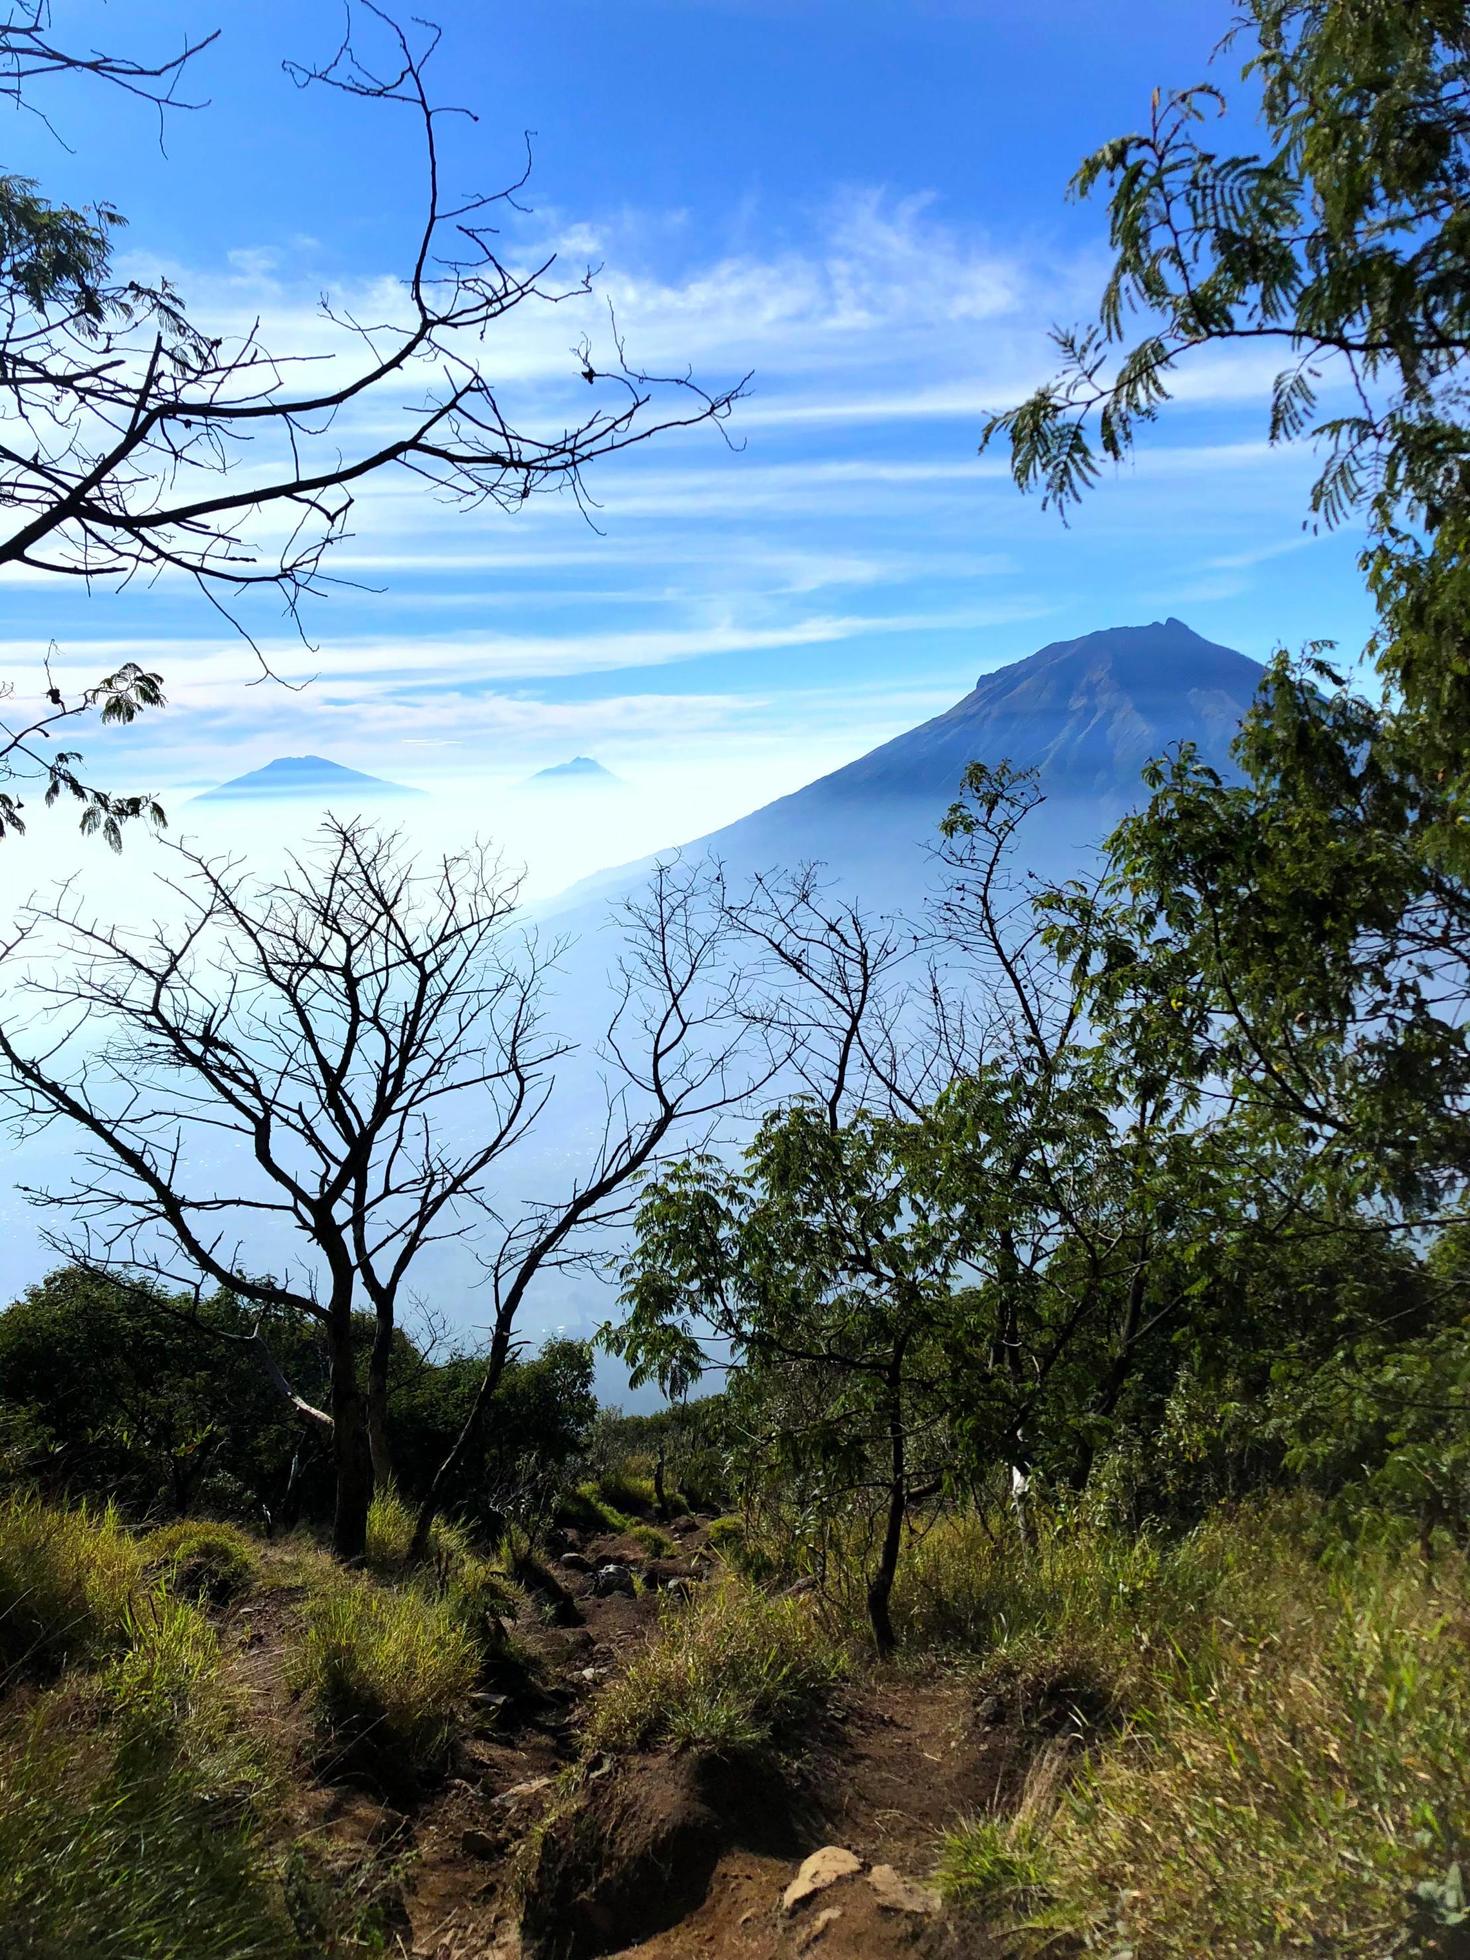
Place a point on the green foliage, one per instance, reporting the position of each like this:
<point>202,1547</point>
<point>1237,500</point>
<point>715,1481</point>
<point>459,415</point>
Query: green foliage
<point>731,1671</point>
<point>215,1562</point>
<point>658,1544</point>
<point>1316,912</point>
<point>68,1581</point>
<point>173,1413</point>
<point>387,1674</point>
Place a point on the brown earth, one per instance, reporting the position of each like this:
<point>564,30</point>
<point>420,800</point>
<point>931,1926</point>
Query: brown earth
<point>674,1856</point>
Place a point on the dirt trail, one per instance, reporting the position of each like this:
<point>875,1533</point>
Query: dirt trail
<point>896,1763</point>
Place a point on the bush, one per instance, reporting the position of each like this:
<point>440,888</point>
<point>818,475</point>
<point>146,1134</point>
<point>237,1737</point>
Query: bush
<point>729,1671</point>
<point>68,1580</point>
<point>657,1544</point>
<point>387,1673</point>
<point>214,1562</point>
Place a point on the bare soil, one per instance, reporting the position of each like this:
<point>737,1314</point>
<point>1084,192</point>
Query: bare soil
<point>674,1856</point>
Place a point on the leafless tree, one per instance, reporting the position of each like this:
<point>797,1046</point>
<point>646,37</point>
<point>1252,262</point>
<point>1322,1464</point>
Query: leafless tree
<point>858,1005</point>
<point>678,1056</point>
<point>137,443</point>
<point>296,1062</point>
<point>279,1057</point>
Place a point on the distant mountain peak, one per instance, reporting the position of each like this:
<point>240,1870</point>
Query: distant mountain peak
<point>581,769</point>
<point>302,776</point>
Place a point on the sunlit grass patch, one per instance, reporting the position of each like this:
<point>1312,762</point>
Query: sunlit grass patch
<point>728,1671</point>
<point>216,1562</point>
<point>67,1582</point>
<point>387,1672</point>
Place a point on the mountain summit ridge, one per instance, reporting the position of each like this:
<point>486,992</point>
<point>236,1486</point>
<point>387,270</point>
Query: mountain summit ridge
<point>1086,713</point>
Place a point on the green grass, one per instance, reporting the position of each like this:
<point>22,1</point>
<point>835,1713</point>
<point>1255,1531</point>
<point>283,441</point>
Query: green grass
<point>1291,1760</point>
<point>68,1580</point>
<point>731,1670</point>
<point>387,1673</point>
<point>390,1533</point>
<point>213,1562</point>
<point>657,1544</point>
<point>990,1861</point>
<point>120,1862</point>
<point>586,1509</point>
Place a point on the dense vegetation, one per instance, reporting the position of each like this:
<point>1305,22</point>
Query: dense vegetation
<point>1091,1321</point>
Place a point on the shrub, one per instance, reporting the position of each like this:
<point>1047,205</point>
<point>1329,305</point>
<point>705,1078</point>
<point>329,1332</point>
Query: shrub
<point>67,1582</point>
<point>215,1562</point>
<point>657,1544</point>
<point>387,1672</point>
<point>728,1671</point>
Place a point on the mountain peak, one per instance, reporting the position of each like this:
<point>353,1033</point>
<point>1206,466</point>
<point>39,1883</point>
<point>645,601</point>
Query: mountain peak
<point>302,776</point>
<point>581,769</point>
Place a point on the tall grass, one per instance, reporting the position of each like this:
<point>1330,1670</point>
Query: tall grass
<point>390,1533</point>
<point>103,1859</point>
<point>68,1579</point>
<point>1291,1769</point>
<point>387,1673</point>
<point>729,1671</point>
<point>216,1562</point>
<point>130,1827</point>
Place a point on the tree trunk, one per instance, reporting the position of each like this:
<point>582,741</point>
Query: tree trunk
<point>880,1587</point>
<point>444,1476</point>
<point>379,1361</point>
<point>351,1454</point>
<point>660,1496</point>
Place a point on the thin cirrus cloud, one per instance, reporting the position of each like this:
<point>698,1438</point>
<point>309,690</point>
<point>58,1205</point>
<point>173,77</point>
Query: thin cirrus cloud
<point>880,338</point>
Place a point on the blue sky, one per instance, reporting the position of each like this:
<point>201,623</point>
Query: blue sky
<point>862,203</point>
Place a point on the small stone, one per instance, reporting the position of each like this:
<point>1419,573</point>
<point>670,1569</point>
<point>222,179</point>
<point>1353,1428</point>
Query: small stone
<point>816,1873</point>
<point>828,1916</point>
<point>592,1675</point>
<point>532,1787</point>
<point>574,1562</point>
<point>613,1578</point>
<point>895,1893</point>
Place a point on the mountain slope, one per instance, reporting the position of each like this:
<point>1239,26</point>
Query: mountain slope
<point>305,776</point>
<point>1087,714</point>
